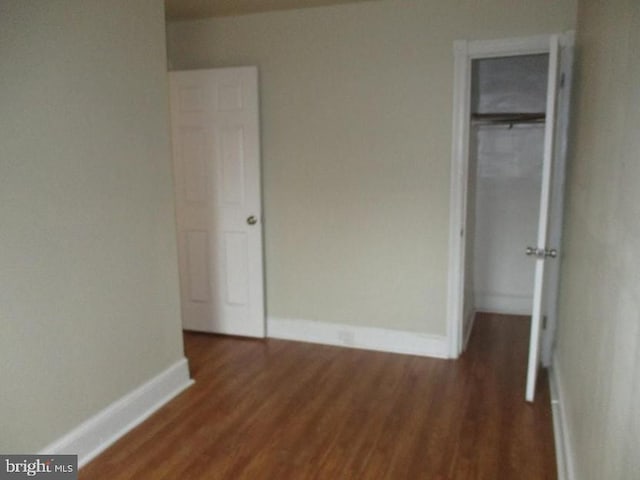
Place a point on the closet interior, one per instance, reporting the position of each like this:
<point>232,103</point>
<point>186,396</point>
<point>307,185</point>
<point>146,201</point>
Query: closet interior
<point>508,97</point>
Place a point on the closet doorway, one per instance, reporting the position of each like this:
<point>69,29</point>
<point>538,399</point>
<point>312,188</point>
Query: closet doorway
<point>510,125</point>
<point>506,148</point>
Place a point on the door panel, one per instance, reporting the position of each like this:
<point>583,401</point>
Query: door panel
<point>197,248</point>
<point>236,265</point>
<point>232,178</point>
<point>557,196</point>
<point>193,151</point>
<point>538,252</point>
<point>214,116</point>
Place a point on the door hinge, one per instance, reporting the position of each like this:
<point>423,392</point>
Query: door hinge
<point>544,322</point>
<point>562,77</point>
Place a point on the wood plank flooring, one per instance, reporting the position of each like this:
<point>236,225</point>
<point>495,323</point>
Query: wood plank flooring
<point>282,410</point>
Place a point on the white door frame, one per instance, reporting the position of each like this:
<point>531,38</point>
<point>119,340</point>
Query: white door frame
<point>465,51</point>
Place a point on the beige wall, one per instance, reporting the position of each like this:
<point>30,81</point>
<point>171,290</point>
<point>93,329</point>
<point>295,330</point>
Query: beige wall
<point>598,350</point>
<point>356,134</point>
<point>89,303</point>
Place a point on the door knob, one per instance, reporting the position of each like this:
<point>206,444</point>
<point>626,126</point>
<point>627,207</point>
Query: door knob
<point>252,220</point>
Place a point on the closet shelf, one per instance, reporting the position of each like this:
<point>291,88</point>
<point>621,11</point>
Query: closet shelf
<point>506,118</point>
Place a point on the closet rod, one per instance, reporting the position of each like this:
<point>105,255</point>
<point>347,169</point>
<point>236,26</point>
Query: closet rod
<point>507,118</point>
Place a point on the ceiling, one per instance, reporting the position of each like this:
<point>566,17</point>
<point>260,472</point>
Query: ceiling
<point>190,9</point>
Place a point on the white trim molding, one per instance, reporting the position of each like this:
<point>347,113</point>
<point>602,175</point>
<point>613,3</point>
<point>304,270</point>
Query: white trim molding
<point>561,432</point>
<point>507,47</point>
<point>367,338</point>
<point>457,197</point>
<point>97,433</point>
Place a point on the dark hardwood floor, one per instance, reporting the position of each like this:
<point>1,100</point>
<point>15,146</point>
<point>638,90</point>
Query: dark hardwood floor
<point>284,410</point>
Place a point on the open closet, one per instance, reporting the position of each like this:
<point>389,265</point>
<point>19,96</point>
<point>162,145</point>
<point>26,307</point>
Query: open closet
<point>506,149</point>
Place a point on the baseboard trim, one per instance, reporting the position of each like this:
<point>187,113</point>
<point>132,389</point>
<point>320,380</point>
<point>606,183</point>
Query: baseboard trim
<point>503,304</point>
<point>367,338</point>
<point>564,457</point>
<point>97,433</point>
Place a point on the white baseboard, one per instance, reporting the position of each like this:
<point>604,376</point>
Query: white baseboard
<point>97,433</point>
<point>564,452</point>
<point>367,338</point>
<point>504,304</point>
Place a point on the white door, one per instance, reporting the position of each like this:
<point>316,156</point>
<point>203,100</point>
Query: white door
<point>554,236</point>
<point>216,156</point>
<point>542,251</point>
